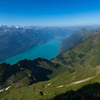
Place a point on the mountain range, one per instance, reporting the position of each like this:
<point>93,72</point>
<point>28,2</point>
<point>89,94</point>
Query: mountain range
<point>17,40</point>
<point>72,75</point>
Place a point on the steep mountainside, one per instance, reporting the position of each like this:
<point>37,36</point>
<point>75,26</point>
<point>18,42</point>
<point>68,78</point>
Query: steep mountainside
<point>77,37</point>
<point>17,40</point>
<point>85,54</point>
<point>82,84</point>
<point>28,71</point>
<point>13,41</point>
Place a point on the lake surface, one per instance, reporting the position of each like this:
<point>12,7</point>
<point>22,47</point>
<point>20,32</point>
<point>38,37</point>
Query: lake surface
<point>47,50</point>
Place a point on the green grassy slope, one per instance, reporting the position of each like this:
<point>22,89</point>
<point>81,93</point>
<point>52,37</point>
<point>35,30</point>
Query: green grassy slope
<point>28,71</point>
<point>77,37</point>
<point>85,54</point>
<point>54,87</point>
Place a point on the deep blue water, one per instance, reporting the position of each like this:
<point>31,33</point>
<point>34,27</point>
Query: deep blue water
<point>47,50</point>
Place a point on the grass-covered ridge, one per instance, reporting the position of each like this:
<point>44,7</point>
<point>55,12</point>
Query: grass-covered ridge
<point>27,72</point>
<point>84,54</point>
<point>57,86</point>
<point>77,37</point>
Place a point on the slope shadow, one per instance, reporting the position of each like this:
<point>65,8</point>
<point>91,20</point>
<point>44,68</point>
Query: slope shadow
<point>87,92</point>
<point>39,68</point>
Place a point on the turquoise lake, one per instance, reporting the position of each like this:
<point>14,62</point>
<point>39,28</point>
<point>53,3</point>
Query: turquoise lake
<point>47,50</point>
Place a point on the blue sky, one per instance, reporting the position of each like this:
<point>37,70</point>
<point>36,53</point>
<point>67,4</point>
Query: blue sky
<point>50,12</point>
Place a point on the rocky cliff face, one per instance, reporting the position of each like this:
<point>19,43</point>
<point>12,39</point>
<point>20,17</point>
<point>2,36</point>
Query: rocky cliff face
<point>77,37</point>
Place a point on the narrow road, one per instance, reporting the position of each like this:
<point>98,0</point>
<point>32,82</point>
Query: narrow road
<point>77,82</point>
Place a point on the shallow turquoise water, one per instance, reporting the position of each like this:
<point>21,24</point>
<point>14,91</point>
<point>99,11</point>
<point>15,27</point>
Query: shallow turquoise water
<point>47,50</point>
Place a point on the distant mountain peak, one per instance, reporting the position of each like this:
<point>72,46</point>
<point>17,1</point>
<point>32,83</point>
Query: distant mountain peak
<point>12,26</point>
<point>3,26</point>
<point>82,29</point>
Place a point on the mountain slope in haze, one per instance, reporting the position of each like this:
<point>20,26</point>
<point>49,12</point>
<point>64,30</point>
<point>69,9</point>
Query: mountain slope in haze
<point>83,55</point>
<point>17,40</point>
<point>98,28</point>
<point>77,37</point>
<point>57,32</point>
